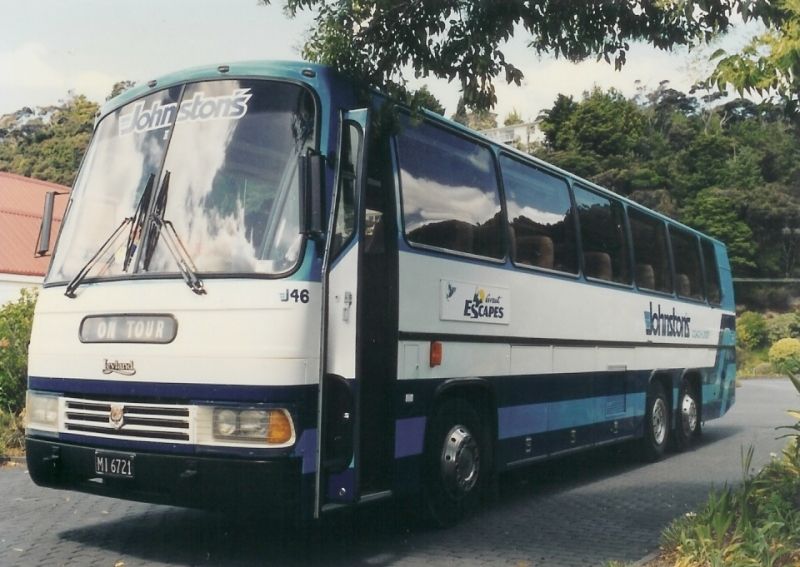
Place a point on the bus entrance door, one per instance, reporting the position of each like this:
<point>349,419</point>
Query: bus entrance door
<point>341,423</point>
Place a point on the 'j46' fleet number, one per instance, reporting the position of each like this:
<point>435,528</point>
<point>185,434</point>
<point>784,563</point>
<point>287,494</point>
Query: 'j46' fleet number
<point>296,295</point>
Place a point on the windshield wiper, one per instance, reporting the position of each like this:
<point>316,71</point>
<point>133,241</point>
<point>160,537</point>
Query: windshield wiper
<point>173,242</point>
<point>136,222</point>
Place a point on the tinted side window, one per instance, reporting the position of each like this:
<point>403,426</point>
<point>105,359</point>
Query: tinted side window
<point>650,252</point>
<point>712,272</point>
<point>602,223</point>
<point>540,213</point>
<point>345,219</point>
<point>449,188</point>
<point>688,273</point>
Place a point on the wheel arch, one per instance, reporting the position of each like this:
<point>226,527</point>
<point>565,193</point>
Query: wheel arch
<point>478,392</point>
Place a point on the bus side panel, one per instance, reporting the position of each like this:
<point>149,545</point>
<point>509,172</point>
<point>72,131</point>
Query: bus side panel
<point>719,386</point>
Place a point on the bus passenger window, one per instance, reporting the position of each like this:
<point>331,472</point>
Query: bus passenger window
<point>688,272</point>
<point>650,252</point>
<point>602,223</point>
<point>449,190</point>
<point>540,214</point>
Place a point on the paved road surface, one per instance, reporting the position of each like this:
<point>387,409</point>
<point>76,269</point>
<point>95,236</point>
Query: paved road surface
<point>581,511</point>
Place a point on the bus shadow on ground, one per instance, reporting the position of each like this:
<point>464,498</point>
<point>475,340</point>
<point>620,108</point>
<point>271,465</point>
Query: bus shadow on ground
<point>534,512</point>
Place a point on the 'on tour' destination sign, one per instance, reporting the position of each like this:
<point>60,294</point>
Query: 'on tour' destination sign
<point>159,329</point>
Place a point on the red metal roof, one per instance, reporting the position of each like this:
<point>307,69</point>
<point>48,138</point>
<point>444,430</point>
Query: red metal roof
<point>21,204</point>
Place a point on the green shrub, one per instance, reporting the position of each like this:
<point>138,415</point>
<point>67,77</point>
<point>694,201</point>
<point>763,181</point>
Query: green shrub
<point>15,334</point>
<point>12,433</point>
<point>784,356</point>
<point>780,326</point>
<point>756,524</point>
<point>751,330</point>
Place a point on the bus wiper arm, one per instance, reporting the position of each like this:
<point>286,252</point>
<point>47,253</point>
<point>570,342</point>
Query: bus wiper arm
<point>180,255</point>
<point>81,275</point>
<point>136,222</point>
<point>173,242</point>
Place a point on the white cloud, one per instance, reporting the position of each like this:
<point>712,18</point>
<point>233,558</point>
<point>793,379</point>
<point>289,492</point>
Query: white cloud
<point>26,67</point>
<point>94,84</point>
<point>31,75</point>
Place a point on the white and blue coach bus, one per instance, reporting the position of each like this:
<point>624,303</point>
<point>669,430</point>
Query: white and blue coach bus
<point>262,290</point>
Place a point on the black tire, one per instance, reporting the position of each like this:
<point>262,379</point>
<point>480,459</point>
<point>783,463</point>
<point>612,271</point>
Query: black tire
<point>687,426</point>
<point>656,423</point>
<point>457,463</point>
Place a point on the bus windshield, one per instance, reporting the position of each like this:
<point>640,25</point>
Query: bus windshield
<point>230,149</point>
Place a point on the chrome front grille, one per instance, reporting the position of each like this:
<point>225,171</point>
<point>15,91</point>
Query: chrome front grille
<point>140,421</point>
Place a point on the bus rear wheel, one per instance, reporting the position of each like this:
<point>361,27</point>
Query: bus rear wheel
<point>687,429</point>
<point>656,423</point>
<point>457,463</point>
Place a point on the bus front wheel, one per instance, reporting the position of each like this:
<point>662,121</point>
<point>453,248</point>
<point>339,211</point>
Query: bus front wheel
<point>656,423</point>
<point>457,464</point>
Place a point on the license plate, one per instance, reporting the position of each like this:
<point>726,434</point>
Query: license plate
<point>116,465</point>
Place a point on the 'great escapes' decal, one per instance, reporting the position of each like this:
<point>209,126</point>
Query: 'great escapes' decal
<point>460,301</point>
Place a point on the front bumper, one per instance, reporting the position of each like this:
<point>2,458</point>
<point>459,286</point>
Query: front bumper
<point>181,480</point>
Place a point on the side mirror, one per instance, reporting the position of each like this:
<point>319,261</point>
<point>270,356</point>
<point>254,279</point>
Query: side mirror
<point>43,242</point>
<point>312,194</point>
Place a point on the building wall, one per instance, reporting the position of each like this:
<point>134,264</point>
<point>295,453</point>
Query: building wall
<point>11,284</point>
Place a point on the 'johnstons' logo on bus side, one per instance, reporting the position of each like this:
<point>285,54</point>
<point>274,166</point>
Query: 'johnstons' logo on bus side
<point>666,324</point>
<point>117,367</point>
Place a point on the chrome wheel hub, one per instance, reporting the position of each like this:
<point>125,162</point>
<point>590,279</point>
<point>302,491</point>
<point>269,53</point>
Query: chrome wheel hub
<point>689,413</point>
<point>460,463</point>
<point>659,421</point>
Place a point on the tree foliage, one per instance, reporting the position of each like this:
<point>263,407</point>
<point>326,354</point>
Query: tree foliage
<point>423,98</point>
<point>771,61</point>
<point>16,318</point>
<point>48,144</point>
<point>463,40</point>
<point>476,119</point>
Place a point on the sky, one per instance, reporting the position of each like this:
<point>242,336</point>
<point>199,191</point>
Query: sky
<point>85,46</point>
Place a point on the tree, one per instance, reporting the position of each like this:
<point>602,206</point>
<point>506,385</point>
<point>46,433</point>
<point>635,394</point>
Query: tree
<point>120,87</point>
<point>771,61</point>
<point>375,41</point>
<point>474,118</point>
<point>51,146</point>
<point>554,122</point>
<point>423,98</point>
<point>711,211</point>
<point>513,118</point>
<point>16,318</point>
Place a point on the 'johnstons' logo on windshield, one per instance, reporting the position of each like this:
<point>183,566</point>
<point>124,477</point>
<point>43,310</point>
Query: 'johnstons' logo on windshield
<point>198,108</point>
<point>117,367</point>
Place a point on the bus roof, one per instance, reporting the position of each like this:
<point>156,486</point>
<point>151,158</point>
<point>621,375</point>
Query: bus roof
<point>316,74</point>
<point>260,69</point>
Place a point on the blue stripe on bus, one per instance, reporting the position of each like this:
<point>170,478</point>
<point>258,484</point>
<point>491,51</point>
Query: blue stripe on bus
<point>207,393</point>
<point>409,438</point>
<point>306,447</point>
<point>516,421</point>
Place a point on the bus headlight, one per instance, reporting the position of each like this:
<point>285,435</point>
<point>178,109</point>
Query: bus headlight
<point>272,426</point>
<point>224,423</point>
<point>41,411</point>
